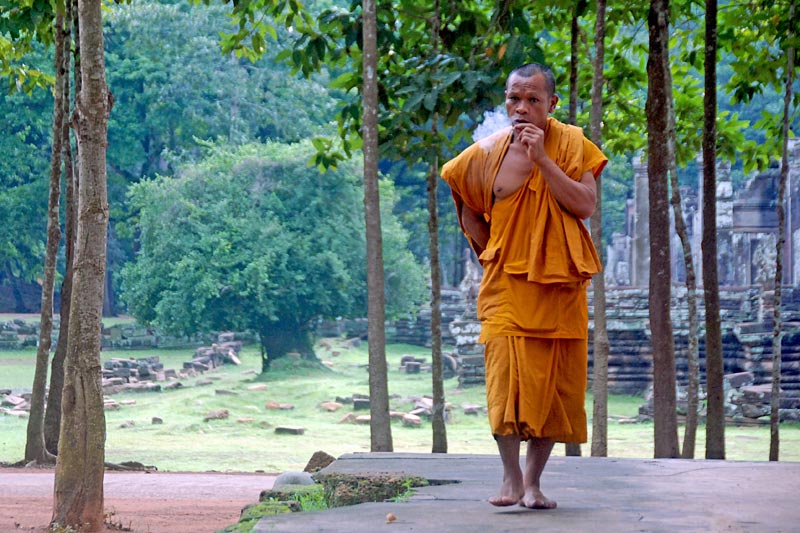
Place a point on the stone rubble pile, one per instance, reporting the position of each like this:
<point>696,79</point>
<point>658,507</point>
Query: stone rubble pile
<point>14,404</point>
<point>746,403</point>
<point>145,374</point>
<point>410,364</point>
<point>18,334</point>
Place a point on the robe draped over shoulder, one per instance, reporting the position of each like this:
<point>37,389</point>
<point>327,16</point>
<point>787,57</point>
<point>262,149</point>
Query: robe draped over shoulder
<point>471,177</point>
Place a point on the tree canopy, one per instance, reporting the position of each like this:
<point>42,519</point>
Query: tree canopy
<point>253,238</point>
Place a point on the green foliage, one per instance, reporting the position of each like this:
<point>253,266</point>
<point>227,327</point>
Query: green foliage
<point>24,175</point>
<point>171,91</point>
<point>422,81</point>
<point>22,25</point>
<point>254,238</point>
<point>755,36</point>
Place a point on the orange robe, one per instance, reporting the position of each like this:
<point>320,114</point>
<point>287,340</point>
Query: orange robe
<point>532,301</point>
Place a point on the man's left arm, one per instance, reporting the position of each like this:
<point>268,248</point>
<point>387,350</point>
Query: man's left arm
<point>577,197</point>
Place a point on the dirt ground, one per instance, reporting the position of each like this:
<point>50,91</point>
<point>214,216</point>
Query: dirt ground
<point>157,502</point>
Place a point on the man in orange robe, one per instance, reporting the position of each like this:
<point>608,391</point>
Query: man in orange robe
<point>520,196</point>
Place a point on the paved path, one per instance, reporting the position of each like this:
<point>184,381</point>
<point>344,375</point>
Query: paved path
<point>594,495</point>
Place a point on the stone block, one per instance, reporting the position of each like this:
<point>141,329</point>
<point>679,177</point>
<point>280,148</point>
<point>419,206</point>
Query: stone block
<point>318,461</point>
<point>217,414</point>
<point>412,367</point>
<point>331,406</point>
<point>739,379</point>
<point>12,400</point>
<point>411,420</point>
<point>361,404</point>
<point>290,430</point>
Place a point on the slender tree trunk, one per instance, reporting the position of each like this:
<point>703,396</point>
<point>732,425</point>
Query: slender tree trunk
<point>380,428</point>
<point>438,424</point>
<point>715,400</point>
<point>665,419</point>
<point>573,68</point>
<point>601,343</point>
<point>439,415</point>
<point>691,279</point>
<point>52,416</point>
<point>35,449</point>
<point>573,449</point>
<point>775,401</point>
<point>78,501</point>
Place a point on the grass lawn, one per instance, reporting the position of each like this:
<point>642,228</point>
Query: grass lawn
<point>246,441</point>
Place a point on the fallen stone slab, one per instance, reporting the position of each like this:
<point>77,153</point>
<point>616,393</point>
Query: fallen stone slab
<point>290,430</point>
<point>217,414</point>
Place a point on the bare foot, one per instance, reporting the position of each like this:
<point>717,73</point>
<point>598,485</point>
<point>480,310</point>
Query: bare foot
<point>509,495</point>
<point>534,499</point>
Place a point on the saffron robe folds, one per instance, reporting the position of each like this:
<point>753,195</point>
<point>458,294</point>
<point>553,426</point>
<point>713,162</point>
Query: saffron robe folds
<point>532,301</point>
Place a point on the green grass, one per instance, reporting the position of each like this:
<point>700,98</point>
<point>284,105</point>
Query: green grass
<point>246,441</point>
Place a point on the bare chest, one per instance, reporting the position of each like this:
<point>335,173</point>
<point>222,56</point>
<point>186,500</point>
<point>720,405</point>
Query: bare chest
<point>513,172</point>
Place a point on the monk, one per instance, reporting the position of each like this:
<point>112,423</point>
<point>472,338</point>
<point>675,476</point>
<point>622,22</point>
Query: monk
<point>520,197</point>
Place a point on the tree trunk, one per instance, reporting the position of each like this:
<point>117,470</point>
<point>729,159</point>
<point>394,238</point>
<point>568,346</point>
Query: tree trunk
<point>439,415</point>
<point>664,381</point>
<point>35,449</point>
<point>775,401</point>
<point>691,279</point>
<point>572,449</point>
<point>380,428</point>
<point>52,416</point>
<point>573,68</point>
<point>282,337</point>
<point>601,343</point>
<point>438,425</point>
<point>715,399</point>
<point>78,501</point>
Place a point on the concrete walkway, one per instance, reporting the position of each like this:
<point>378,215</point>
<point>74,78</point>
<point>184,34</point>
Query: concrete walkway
<point>593,494</point>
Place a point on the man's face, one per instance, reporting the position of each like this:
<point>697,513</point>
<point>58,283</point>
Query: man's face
<point>527,100</point>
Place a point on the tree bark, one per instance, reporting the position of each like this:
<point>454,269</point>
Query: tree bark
<point>664,380</point>
<point>380,428</point>
<point>601,343</point>
<point>78,493</point>
<point>438,426</point>
<point>52,416</point>
<point>715,400</point>
<point>439,416</point>
<point>690,432</point>
<point>775,400</point>
<point>284,336</point>
<point>35,449</point>
<point>572,449</point>
<point>573,68</point>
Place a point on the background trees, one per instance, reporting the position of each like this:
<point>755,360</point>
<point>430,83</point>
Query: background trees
<point>254,238</point>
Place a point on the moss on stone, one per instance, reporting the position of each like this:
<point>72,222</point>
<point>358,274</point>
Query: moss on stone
<point>350,489</point>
